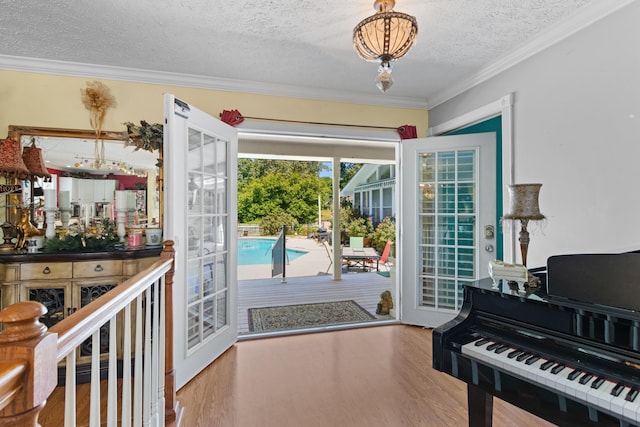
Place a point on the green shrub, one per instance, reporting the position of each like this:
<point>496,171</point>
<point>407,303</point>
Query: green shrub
<point>384,232</point>
<point>272,224</point>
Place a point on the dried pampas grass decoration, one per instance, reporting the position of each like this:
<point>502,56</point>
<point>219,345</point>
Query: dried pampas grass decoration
<point>97,99</point>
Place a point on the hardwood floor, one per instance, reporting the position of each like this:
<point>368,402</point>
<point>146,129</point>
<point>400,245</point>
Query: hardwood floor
<point>377,376</point>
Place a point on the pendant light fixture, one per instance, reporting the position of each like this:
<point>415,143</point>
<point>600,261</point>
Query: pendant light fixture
<point>384,37</point>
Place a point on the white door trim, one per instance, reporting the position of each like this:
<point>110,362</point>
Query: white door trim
<point>504,108</point>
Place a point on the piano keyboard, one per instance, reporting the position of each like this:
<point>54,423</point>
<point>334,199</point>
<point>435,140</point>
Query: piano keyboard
<point>585,387</point>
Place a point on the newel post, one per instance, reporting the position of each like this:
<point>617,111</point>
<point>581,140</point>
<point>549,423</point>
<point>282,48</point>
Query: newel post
<point>26,341</point>
<point>170,402</point>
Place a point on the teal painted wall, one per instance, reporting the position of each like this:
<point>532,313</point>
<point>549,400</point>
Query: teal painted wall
<point>492,125</point>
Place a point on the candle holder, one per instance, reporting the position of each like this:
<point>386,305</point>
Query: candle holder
<point>50,214</point>
<point>65,216</point>
<point>131,217</point>
<point>121,214</point>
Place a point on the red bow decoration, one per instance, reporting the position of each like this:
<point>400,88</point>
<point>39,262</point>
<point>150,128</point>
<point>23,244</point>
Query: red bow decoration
<point>407,132</point>
<point>231,117</point>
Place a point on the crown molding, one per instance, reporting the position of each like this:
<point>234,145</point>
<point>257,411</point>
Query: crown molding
<point>76,69</point>
<point>585,17</point>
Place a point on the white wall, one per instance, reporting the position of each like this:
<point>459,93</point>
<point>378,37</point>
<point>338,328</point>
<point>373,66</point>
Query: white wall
<point>576,131</point>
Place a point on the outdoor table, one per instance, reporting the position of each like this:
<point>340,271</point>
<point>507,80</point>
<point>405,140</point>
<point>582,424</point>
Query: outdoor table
<point>359,256</point>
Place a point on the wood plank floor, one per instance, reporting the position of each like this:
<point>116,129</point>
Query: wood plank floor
<point>363,288</point>
<point>377,376</point>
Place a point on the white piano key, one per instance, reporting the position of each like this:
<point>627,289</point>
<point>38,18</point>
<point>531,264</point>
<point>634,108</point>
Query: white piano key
<point>602,396</point>
<point>582,390</point>
<point>618,402</point>
<point>630,409</point>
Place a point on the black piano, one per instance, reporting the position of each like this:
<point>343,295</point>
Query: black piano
<point>567,351</point>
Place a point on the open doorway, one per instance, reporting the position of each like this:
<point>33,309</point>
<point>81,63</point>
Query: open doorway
<point>309,278</point>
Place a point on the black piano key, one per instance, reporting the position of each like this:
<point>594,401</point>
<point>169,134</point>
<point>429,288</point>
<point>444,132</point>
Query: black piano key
<point>514,353</point>
<point>557,369</point>
<point>575,374</point>
<point>533,359</point>
<point>546,365</point>
<point>502,349</point>
<point>481,342</point>
<point>631,396</point>
<point>617,390</point>
<point>493,346</point>
<point>523,356</point>
<point>597,383</point>
<point>585,378</point>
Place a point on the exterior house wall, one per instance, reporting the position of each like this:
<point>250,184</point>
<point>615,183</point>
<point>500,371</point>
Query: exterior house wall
<point>373,196</point>
<point>576,130</point>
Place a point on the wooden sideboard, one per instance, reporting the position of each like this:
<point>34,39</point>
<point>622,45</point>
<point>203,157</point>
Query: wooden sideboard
<point>64,282</point>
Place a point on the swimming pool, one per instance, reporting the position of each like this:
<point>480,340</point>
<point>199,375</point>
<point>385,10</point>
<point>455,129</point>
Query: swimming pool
<point>258,251</point>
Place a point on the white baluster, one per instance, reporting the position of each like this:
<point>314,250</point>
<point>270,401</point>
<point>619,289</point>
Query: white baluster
<point>137,375</point>
<point>112,391</point>
<point>148,369</point>
<point>70,391</point>
<point>94,408</point>
<point>161,352</point>
<point>126,369</point>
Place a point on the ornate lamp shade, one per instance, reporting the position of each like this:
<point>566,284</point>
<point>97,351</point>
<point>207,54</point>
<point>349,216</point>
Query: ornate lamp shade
<point>524,202</point>
<point>11,163</point>
<point>385,37</point>
<point>524,207</point>
<point>32,157</point>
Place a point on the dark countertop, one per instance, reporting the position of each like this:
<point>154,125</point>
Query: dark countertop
<point>62,256</point>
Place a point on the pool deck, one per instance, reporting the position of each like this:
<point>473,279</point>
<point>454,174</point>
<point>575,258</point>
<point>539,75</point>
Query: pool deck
<point>315,262</point>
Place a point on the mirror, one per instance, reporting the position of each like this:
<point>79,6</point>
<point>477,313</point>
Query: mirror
<point>70,156</point>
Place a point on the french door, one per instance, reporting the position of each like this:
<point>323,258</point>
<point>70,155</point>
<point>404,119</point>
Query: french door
<point>448,222</point>
<point>200,216</point>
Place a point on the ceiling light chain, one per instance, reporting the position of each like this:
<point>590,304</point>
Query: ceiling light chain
<point>384,37</point>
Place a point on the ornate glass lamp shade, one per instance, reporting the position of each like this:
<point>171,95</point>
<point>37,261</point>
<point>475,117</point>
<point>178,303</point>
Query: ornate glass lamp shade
<point>32,157</point>
<point>384,37</point>
<point>11,163</point>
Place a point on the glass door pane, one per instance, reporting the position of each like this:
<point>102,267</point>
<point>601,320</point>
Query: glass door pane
<point>208,225</point>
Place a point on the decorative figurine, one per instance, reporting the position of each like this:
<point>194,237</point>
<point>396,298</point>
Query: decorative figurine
<point>385,304</point>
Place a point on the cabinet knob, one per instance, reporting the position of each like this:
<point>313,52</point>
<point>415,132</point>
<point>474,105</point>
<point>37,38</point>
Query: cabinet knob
<point>46,270</point>
<point>98,268</point>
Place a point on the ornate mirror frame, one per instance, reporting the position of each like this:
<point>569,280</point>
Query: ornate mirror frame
<point>18,132</point>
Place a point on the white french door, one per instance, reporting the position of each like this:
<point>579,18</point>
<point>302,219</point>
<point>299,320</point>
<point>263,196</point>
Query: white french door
<point>448,222</point>
<point>200,216</point>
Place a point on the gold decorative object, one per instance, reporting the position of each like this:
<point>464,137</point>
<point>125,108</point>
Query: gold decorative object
<point>97,99</point>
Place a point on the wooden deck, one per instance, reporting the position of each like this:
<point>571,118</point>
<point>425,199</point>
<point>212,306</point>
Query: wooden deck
<point>308,281</point>
<point>363,288</point>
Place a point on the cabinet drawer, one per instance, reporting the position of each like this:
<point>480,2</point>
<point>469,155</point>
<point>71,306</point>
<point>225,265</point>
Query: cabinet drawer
<point>45,270</point>
<point>97,268</point>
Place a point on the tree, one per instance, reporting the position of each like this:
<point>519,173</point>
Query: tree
<point>347,171</point>
<point>293,190</point>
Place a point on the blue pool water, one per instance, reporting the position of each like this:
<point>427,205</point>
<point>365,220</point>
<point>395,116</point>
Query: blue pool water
<point>258,251</point>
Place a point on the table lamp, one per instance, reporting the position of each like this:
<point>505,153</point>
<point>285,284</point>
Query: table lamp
<point>524,207</point>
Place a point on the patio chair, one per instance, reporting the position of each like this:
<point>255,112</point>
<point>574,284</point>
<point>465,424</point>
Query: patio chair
<point>356,242</point>
<point>384,258</point>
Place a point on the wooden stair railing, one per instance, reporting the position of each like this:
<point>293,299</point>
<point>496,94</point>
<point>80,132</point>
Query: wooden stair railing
<point>29,354</point>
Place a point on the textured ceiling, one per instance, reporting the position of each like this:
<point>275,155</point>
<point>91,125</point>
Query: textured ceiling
<point>300,43</point>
